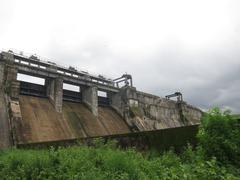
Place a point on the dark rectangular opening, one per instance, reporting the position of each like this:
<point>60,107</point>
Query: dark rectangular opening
<point>30,85</point>
<point>103,100</point>
<point>72,93</point>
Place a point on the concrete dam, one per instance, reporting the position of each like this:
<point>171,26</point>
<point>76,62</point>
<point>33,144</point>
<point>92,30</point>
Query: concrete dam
<point>36,114</point>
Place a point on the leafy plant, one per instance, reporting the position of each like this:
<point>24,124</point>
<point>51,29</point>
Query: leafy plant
<point>219,136</point>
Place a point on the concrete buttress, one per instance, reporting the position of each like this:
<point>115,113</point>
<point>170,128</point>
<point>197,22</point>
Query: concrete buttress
<point>90,98</point>
<point>55,92</point>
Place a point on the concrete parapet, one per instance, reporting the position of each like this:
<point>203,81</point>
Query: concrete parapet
<point>90,98</point>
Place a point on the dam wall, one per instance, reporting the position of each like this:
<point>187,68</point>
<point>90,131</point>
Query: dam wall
<point>49,113</point>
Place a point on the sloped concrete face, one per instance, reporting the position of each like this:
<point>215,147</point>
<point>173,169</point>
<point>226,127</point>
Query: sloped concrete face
<point>35,121</point>
<point>39,122</point>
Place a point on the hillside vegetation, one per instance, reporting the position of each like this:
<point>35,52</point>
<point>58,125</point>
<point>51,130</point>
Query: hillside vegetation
<point>216,157</point>
<point>236,116</point>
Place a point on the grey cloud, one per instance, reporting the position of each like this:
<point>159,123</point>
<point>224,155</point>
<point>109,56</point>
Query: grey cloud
<point>207,79</point>
<point>208,74</point>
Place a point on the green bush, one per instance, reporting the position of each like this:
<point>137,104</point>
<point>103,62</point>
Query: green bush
<point>219,136</point>
<point>108,162</point>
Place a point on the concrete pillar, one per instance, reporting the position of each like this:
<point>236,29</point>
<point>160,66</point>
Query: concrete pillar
<point>8,57</point>
<point>55,92</point>
<point>15,89</point>
<point>122,101</point>
<point>8,75</point>
<point>90,98</point>
<point>116,102</point>
<point>124,98</point>
<point>58,94</point>
<point>49,83</point>
<point>12,86</point>
<point>11,74</point>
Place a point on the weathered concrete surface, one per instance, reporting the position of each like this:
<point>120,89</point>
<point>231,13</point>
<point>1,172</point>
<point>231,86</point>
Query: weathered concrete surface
<point>1,74</point>
<point>36,120</point>
<point>41,123</point>
<point>4,123</point>
<point>8,77</point>
<point>146,112</point>
<point>90,98</point>
<point>43,69</point>
<point>15,89</point>
<point>112,121</point>
<point>55,92</point>
<point>80,117</point>
<point>16,117</point>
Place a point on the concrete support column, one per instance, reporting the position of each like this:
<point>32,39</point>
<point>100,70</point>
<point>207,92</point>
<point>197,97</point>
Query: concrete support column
<point>15,89</point>
<point>49,83</point>
<point>8,76</point>
<point>122,101</point>
<point>12,86</point>
<point>90,98</point>
<point>55,92</point>
<point>11,74</point>
<point>58,94</point>
<point>116,102</point>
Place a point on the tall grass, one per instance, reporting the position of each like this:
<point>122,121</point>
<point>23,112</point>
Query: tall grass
<point>106,162</point>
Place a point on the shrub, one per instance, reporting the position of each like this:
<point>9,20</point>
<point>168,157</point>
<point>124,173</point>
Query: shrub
<point>107,162</point>
<point>219,136</point>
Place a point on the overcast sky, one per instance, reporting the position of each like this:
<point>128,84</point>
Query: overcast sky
<point>176,45</point>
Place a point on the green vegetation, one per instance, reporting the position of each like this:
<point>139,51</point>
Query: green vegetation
<point>215,157</point>
<point>219,136</point>
<point>236,116</point>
